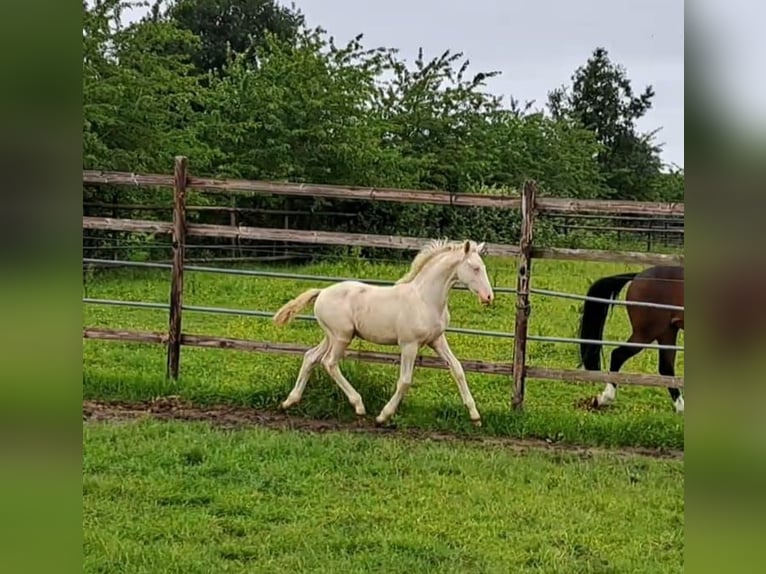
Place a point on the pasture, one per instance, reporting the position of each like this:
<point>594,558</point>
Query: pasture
<point>215,496</point>
<point>129,371</point>
<point>188,498</point>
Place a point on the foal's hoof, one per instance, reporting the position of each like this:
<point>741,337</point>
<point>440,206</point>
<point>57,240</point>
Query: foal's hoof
<point>476,422</point>
<point>382,422</point>
<point>588,404</point>
<point>596,405</point>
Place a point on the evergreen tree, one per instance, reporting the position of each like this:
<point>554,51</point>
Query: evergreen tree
<point>227,27</point>
<point>603,101</point>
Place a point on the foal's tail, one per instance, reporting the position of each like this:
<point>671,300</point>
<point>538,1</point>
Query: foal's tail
<point>594,315</point>
<point>288,312</point>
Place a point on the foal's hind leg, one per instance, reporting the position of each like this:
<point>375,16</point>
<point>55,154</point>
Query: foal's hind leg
<point>310,360</point>
<point>618,358</point>
<point>667,365</point>
<point>330,363</point>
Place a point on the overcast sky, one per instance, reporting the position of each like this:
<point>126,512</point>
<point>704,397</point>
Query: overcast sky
<point>536,44</point>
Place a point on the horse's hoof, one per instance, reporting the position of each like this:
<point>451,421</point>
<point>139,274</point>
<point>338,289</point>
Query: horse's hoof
<point>287,404</point>
<point>476,422</point>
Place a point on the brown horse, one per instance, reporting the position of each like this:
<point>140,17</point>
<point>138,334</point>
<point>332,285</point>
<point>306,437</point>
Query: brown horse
<point>660,285</point>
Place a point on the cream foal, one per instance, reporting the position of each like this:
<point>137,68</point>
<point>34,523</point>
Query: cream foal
<point>412,313</point>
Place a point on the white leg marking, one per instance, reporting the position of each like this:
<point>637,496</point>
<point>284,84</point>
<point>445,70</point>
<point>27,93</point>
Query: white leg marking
<point>608,395</point>
<point>679,404</point>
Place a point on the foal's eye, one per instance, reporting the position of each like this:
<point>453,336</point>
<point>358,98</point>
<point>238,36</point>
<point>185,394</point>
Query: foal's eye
<point>476,269</point>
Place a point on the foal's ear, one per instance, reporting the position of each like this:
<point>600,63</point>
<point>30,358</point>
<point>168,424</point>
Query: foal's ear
<point>467,246</point>
<point>481,248</point>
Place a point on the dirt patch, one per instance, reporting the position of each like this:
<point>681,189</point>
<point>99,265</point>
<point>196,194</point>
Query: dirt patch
<point>227,416</point>
<point>590,404</point>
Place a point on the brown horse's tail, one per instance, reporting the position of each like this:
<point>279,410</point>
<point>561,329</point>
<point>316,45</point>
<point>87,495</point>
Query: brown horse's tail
<point>594,315</point>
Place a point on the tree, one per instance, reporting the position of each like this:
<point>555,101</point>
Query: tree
<point>440,117</point>
<point>671,185</point>
<point>303,115</point>
<point>603,101</point>
<point>138,101</point>
<point>306,110</point>
<point>226,27</point>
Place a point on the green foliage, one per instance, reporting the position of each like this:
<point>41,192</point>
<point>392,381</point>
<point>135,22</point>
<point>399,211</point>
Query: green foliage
<point>602,100</point>
<point>138,100</point>
<point>227,27</point>
<point>246,90</point>
<point>302,115</point>
<point>670,185</point>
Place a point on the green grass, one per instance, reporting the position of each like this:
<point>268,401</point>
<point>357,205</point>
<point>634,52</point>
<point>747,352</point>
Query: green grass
<point>641,416</point>
<point>187,498</point>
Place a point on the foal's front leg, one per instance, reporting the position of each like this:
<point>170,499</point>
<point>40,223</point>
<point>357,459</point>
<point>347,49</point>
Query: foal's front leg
<point>409,354</point>
<point>442,348</point>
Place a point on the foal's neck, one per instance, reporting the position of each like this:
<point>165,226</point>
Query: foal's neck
<point>435,281</point>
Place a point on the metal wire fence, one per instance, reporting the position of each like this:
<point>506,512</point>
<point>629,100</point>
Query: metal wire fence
<point>263,243</point>
<point>333,279</point>
<point>254,273</point>
<point>298,251</point>
<point>576,297</point>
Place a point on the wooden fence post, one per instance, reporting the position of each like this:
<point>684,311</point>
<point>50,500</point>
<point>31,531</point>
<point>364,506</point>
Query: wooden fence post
<point>177,277</point>
<point>522,292</point>
<point>236,250</point>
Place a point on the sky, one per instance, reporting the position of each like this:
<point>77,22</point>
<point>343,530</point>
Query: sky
<point>536,44</point>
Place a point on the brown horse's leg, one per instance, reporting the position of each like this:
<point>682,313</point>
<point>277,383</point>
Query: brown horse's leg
<point>618,358</point>
<point>667,364</point>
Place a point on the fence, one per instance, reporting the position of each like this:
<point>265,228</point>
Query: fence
<point>234,214</point>
<point>529,204</point>
<point>652,231</point>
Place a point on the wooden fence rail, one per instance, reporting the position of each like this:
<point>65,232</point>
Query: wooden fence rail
<point>216,208</point>
<point>542,205</point>
<point>367,240</point>
<point>470,365</point>
<point>676,225</point>
<point>529,202</point>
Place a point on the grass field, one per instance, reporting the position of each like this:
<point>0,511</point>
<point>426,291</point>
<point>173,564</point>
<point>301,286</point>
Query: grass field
<point>641,416</point>
<point>188,498</point>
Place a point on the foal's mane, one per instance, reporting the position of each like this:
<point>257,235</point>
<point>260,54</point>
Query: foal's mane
<point>427,254</point>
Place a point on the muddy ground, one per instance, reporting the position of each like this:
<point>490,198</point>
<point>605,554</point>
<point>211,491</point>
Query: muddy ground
<point>233,417</point>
